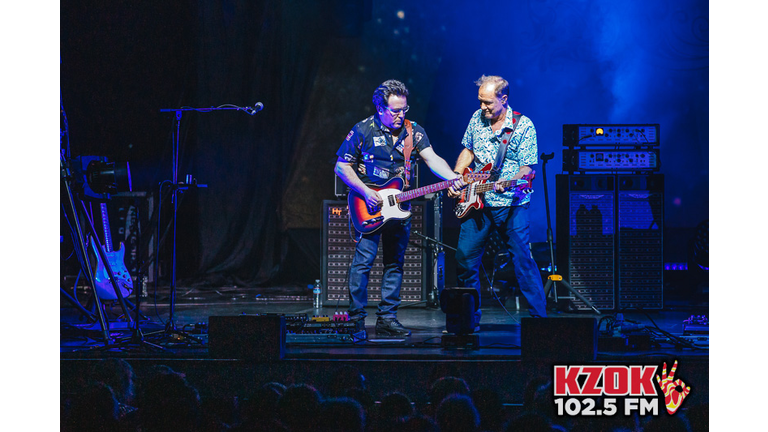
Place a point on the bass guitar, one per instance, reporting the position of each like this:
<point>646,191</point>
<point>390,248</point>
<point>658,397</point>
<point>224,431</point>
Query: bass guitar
<point>472,196</point>
<point>116,260</point>
<point>367,220</point>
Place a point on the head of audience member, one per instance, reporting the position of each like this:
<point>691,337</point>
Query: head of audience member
<point>341,415</point>
<point>537,396</point>
<point>457,413</point>
<point>96,409</point>
<point>445,387</point>
<point>298,407</point>
<point>118,375</point>
<point>418,423</point>
<point>346,378</point>
<point>169,402</point>
<point>362,396</point>
<point>531,422</point>
<point>395,407</point>
<point>261,406</point>
<point>491,409</point>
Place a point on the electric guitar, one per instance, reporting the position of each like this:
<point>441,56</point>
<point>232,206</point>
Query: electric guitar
<point>116,260</point>
<point>367,220</point>
<point>472,196</point>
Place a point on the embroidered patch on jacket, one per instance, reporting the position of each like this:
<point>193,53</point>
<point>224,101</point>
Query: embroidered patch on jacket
<point>380,172</point>
<point>379,141</point>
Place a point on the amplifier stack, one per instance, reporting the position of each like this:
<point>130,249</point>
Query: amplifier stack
<point>610,215</point>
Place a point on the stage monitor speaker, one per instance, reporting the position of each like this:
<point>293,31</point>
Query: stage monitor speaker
<point>339,249</point>
<point>259,338</point>
<point>558,340</point>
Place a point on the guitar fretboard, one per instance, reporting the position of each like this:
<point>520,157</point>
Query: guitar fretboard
<point>105,226</point>
<point>415,193</point>
<point>485,187</point>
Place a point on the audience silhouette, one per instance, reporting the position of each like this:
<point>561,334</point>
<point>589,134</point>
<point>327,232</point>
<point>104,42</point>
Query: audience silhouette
<point>113,398</point>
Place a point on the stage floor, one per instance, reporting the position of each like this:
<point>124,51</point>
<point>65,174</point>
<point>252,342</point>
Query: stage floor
<point>408,364</point>
<point>499,329</point>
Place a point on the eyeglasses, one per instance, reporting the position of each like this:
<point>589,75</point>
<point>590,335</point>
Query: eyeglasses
<point>398,111</point>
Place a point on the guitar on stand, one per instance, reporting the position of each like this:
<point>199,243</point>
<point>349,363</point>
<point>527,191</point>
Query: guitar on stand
<point>367,220</point>
<point>115,259</point>
<point>472,196</point>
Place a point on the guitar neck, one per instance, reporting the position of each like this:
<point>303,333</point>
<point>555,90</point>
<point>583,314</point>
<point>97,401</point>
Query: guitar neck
<point>419,192</point>
<point>105,227</point>
<point>485,187</point>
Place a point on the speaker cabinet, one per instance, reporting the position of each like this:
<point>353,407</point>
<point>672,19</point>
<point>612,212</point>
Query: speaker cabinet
<point>259,338</point>
<point>639,243</point>
<point>586,236</point>
<point>339,250</point>
<point>609,238</point>
<point>560,340</point>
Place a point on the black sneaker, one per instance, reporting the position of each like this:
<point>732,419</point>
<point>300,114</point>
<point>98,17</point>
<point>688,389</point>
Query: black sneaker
<point>356,317</point>
<point>391,327</point>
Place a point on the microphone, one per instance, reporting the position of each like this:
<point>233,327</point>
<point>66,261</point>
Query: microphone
<point>258,106</point>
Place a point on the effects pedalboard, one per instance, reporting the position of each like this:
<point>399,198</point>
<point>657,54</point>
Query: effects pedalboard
<point>302,329</point>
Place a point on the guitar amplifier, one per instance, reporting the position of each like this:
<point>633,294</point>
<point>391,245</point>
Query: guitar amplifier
<point>339,249</point>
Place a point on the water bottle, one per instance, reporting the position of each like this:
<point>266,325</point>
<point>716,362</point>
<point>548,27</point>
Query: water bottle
<point>317,295</point>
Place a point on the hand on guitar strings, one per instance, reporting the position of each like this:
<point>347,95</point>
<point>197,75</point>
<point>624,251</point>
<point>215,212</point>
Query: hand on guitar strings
<point>373,200</point>
<point>458,184</point>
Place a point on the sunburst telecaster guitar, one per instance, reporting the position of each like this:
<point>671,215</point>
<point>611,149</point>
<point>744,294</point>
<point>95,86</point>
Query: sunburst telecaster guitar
<point>367,220</point>
<point>472,196</point>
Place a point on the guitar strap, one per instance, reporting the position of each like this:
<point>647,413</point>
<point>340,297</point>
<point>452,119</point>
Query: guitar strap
<point>407,148</point>
<point>506,137</point>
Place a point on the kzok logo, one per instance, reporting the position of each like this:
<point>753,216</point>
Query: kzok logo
<point>633,383</point>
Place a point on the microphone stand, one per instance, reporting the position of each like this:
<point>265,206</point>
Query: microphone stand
<point>437,249</point>
<point>176,188</point>
<point>137,336</point>
<point>553,277</point>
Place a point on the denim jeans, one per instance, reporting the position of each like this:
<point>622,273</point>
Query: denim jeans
<point>511,223</point>
<point>394,237</point>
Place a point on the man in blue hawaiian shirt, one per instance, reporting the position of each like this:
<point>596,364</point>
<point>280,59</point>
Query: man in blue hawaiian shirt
<point>373,153</point>
<point>504,210</point>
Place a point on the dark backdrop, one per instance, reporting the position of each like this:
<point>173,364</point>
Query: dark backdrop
<point>314,65</point>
